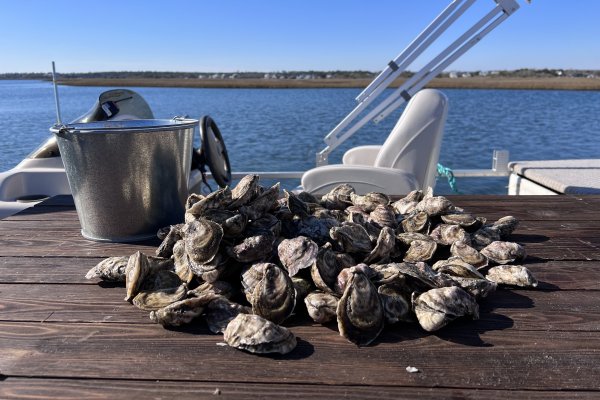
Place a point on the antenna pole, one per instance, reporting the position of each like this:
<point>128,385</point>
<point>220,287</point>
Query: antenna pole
<point>58,119</point>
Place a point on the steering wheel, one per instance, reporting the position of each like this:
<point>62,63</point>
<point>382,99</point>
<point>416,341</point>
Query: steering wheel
<point>212,153</point>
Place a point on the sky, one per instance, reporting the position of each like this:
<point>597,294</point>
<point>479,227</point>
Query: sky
<point>282,35</point>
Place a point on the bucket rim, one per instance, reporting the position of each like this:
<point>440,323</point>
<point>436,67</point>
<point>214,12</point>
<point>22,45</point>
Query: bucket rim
<point>131,125</point>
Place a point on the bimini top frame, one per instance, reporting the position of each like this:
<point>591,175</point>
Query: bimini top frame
<point>346,128</point>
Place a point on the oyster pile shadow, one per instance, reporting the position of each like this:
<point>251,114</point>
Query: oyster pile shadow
<point>246,259</point>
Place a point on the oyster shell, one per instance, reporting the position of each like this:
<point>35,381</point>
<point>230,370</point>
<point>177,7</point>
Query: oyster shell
<point>356,214</point>
<point>506,226</point>
<point>338,198</point>
<point>513,275</point>
<point>468,254</point>
<point>438,307</point>
<point>173,236</point>
<point>395,306</point>
<point>352,238</point>
<point>179,313</point>
<point>369,201</point>
<point>447,234</point>
<point>244,191</point>
<point>383,216</point>
<point>111,269</point>
<point>484,236</point>
<point>297,254</point>
<point>420,250</point>
<point>253,248</point>
<point>274,296</point>
<point>416,222</point>
<point>221,288</point>
<point>220,198</point>
<point>156,298</point>
<point>267,222</point>
<point>182,265</point>
<point>359,312</point>
<point>467,221</point>
<point>317,229</point>
<point>221,311</point>
<point>302,287</point>
<point>136,271</point>
<point>387,273</point>
<point>295,205</point>
<point>327,266</point>
<point>435,205</point>
<point>308,198</point>
<point>384,247</point>
<point>258,335</point>
<point>262,204</point>
<point>321,307</point>
<point>345,274</point>
<point>455,266</point>
<point>251,276</point>
<point>504,252</point>
<point>477,288</point>
<point>408,203</point>
<point>202,239</point>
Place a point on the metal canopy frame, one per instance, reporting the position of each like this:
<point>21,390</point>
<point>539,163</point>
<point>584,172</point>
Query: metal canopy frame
<point>345,129</point>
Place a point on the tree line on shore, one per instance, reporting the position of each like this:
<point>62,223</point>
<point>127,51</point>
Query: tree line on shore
<point>359,74</point>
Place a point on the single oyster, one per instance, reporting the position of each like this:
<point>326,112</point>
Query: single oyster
<point>446,234</point>
<point>408,203</point>
<point>258,335</point>
<point>253,248</point>
<point>111,269</point>
<point>455,266</point>
<point>345,274</point>
<point>308,198</point>
<point>356,214</point>
<point>220,198</point>
<point>504,252</point>
<point>360,312</point>
<point>369,201</point>
<point>421,277</point>
<point>221,311</point>
<point>295,205</point>
<point>387,273</point>
<point>181,262</point>
<point>435,205</point>
<point>477,288</point>
<point>173,236</point>
<point>514,275</point>
<point>321,307</point>
<point>467,221</point>
<point>179,313</point>
<point>506,226</point>
<point>274,297</point>
<point>484,236</point>
<point>262,204</point>
<point>395,306</point>
<point>384,248</point>
<point>416,222</point>
<point>468,254</point>
<point>407,238</point>
<point>155,299</point>
<point>437,307</point>
<point>420,250</point>
<point>353,238</point>
<point>297,253</point>
<point>244,191</point>
<point>233,223</point>
<point>136,271</point>
<point>338,198</point>
<point>327,266</point>
<point>383,216</point>
<point>202,238</point>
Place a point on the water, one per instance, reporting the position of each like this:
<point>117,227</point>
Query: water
<point>282,129</point>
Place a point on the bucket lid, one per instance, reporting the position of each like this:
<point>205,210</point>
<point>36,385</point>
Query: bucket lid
<point>132,125</point>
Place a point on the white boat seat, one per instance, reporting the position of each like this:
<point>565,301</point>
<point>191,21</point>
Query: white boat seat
<point>406,161</point>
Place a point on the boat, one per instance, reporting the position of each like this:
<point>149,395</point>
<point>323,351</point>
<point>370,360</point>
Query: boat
<point>408,159</point>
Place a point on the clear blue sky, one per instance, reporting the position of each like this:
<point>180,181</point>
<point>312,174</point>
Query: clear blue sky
<point>275,35</point>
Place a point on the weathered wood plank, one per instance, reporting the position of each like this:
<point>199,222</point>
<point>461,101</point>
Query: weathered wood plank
<point>519,361</point>
<point>504,309</point>
<point>72,389</point>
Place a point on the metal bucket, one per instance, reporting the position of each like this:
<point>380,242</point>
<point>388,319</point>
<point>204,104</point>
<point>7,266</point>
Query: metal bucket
<point>128,178</point>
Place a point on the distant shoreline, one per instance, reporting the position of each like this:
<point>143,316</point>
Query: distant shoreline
<point>541,83</point>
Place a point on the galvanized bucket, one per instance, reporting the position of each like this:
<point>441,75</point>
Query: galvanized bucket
<point>128,178</point>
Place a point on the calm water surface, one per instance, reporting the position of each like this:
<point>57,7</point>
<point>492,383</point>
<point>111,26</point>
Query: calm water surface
<point>282,129</point>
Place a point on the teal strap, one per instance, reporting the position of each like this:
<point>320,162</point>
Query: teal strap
<point>447,172</point>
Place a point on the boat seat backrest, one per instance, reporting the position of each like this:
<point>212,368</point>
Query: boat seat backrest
<point>414,143</point>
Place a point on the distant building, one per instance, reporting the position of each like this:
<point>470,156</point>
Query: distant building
<point>453,75</point>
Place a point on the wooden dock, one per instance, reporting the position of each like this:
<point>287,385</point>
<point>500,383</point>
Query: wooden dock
<point>62,336</point>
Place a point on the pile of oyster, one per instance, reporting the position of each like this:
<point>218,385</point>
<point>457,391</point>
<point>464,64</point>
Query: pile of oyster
<point>247,259</point>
